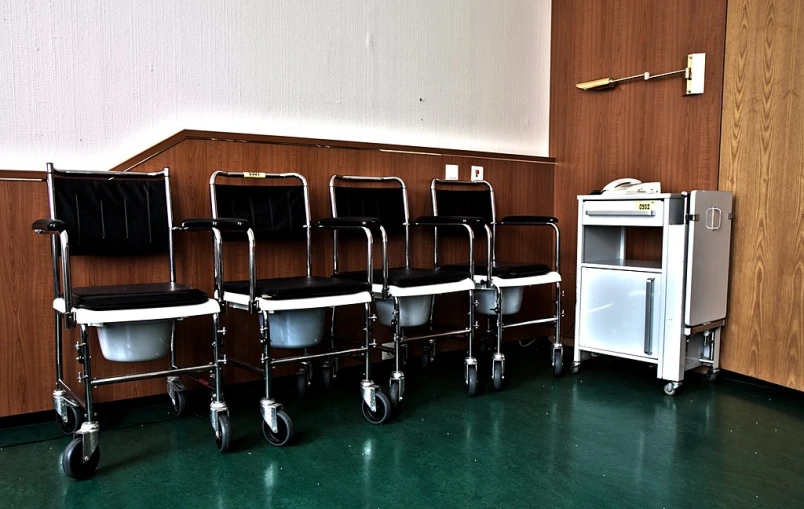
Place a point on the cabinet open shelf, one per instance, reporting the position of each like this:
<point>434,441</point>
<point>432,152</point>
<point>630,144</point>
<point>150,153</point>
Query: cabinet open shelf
<point>636,265</point>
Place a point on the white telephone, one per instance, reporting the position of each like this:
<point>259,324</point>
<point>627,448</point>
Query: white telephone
<point>632,186</point>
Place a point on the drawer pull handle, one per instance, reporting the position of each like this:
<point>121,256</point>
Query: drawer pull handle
<point>621,213</point>
<point>649,316</point>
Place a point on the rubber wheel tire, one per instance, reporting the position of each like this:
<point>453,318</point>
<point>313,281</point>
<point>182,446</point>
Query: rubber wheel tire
<point>575,369</point>
<point>471,380</point>
<point>393,395</point>
<point>558,362</point>
<point>669,389</point>
<point>74,419</point>
<point>223,439</point>
<point>326,376</point>
<point>497,377</point>
<point>179,403</point>
<point>301,384</point>
<point>426,359</point>
<point>73,460</point>
<point>383,411</point>
<point>711,375</point>
<point>284,430</point>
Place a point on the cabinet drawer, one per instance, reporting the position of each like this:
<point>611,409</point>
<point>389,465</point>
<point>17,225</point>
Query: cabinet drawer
<point>620,311</point>
<point>623,212</point>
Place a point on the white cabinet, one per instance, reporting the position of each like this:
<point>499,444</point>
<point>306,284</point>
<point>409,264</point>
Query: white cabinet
<point>665,311</point>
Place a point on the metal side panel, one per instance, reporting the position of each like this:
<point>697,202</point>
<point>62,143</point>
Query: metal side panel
<point>708,248</point>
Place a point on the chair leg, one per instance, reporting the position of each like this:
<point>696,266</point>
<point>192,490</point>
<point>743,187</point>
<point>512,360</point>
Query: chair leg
<point>396,386</point>
<point>376,405</point>
<point>82,455</point>
<point>277,427</point>
<point>470,363</point>
<point>498,359</point>
<point>218,411</point>
<point>558,347</point>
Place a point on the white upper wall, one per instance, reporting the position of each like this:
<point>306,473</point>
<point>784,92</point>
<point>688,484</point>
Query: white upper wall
<point>87,83</point>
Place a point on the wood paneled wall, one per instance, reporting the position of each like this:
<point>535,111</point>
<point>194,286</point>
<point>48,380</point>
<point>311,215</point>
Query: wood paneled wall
<point>648,131</point>
<point>762,162</point>
<point>524,186</point>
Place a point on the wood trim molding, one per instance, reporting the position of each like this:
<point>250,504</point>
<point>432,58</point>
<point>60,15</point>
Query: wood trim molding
<point>189,134</point>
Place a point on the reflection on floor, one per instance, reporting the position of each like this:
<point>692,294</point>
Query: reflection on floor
<point>606,437</point>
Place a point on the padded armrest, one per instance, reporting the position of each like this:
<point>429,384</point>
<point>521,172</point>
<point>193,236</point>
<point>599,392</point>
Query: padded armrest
<point>448,221</point>
<point>221,223</point>
<point>48,225</point>
<point>529,220</point>
<point>349,222</point>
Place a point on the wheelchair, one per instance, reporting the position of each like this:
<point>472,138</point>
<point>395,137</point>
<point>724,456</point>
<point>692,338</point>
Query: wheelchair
<point>500,285</point>
<point>108,214</point>
<point>404,296</point>
<point>290,310</point>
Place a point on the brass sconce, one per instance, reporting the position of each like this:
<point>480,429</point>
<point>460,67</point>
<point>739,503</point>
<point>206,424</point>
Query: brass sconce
<point>693,75</point>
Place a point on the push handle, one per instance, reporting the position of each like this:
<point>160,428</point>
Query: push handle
<point>649,316</point>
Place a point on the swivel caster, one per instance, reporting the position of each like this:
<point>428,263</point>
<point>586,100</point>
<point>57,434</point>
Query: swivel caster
<point>497,376</point>
<point>670,388</point>
<point>73,421</point>
<point>471,380</point>
<point>428,354</point>
<point>179,400</point>
<point>223,435</point>
<point>575,368</point>
<point>558,362</point>
<point>284,430</point>
<point>73,460</point>
<point>393,395</point>
<point>711,374</point>
<point>303,379</point>
<point>382,410</point>
<point>327,375</point>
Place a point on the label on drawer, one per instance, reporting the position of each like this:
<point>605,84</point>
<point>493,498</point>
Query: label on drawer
<point>644,205</point>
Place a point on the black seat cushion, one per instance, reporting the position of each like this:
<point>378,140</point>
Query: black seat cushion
<point>137,296</point>
<point>504,270</point>
<point>407,277</point>
<point>301,287</point>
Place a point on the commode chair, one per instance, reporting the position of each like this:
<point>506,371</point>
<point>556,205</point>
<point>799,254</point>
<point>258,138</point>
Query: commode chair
<point>500,285</point>
<point>290,310</point>
<point>404,295</point>
<point>107,214</point>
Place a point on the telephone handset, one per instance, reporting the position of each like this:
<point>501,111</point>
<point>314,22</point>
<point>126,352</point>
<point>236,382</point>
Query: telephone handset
<point>632,186</point>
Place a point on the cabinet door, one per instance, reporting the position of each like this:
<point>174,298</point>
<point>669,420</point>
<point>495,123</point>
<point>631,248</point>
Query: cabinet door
<point>620,311</point>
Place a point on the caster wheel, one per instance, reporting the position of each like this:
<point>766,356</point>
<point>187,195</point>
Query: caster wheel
<point>711,374</point>
<point>427,358</point>
<point>558,362</point>
<point>179,403</point>
<point>301,384</point>
<point>327,376</point>
<point>74,419</point>
<point>669,389</point>
<point>223,438</point>
<point>393,395</point>
<point>575,369</point>
<point>471,380</point>
<point>497,376</point>
<point>383,411</point>
<point>283,433</point>
<point>73,460</point>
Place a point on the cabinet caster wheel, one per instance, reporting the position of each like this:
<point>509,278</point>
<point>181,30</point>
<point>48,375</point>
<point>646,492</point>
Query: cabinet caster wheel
<point>284,431</point>
<point>393,395</point>
<point>382,412</point>
<point>471,380</point>
<point>575,369</point>
<point>670,388</point>
<point>558,362</point>
<point>497,376</point>
<point>74,419</point>
<point>73,460</point>
<point>223,437</point>
<point>179,400</point>
<point>711,374</point>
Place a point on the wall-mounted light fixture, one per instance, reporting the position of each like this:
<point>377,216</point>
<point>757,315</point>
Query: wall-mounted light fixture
<point>693,75</point>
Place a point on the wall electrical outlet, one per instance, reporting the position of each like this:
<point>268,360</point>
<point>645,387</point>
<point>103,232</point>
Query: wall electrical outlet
<point>477,173</point>
<point>451,172</point>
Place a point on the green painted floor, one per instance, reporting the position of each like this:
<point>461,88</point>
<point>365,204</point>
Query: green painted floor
<point>606,437</point>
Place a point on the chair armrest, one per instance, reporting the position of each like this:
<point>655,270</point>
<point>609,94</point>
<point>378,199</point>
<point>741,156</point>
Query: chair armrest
<point>528,220</point>
<point>448,221</point>
<point>221,223</point>
<point>48,225</point>
<point>349,222</point>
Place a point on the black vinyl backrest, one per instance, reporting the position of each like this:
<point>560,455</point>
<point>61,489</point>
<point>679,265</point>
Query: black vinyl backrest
<point>387,204</point>
<point>464,203</point>
<point>113,216</point>
<point>275,212</point>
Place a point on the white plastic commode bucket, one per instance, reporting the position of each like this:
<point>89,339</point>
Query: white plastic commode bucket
<point>299,328</point>
<point>511,300</point>
<point>413,311</point>
<point>135,341</point>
